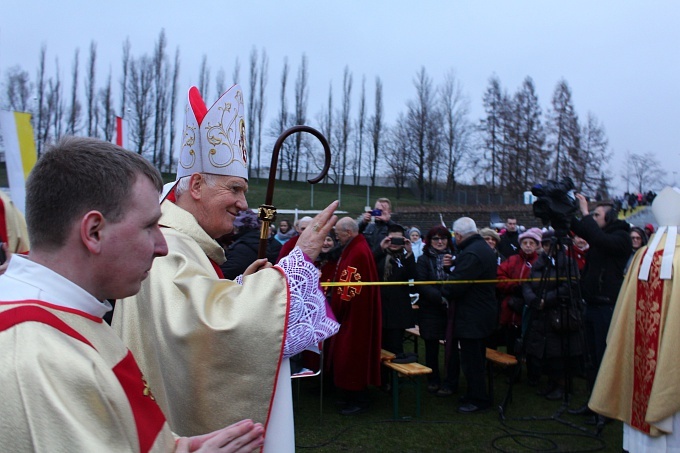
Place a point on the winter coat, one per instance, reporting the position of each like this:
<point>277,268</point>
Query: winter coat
<point>241,254</point>
<point>473,308</point>
<point>374,234</point>
<point>512,300</point>
<point>509,244</point>
<point>397,311</point>
<point>556,329</point>
<point>608,254</point>
<point>432,310</point>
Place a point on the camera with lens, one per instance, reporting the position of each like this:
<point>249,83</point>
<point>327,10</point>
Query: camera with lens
<point>556,204</point>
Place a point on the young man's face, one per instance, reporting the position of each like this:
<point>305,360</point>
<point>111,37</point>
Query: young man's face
<point>131,244</point>
<point>511,224</point>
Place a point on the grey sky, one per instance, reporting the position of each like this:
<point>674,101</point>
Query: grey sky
<point>620,58</point>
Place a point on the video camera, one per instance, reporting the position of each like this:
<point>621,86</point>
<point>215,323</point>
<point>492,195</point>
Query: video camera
<point>556,204</point>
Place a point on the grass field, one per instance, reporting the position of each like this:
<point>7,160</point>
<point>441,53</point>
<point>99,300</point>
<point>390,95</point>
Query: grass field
<point>532,423</point>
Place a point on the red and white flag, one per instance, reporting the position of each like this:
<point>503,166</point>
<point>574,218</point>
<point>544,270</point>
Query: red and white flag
<point>121,138</point>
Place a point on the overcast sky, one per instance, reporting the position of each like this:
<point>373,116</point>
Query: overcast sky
<point>620,58</point>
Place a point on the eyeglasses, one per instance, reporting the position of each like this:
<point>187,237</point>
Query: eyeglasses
<point>437,238</point>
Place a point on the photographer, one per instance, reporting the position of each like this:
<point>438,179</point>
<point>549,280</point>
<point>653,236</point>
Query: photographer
<point>610,247</point>
<point>377,231</point>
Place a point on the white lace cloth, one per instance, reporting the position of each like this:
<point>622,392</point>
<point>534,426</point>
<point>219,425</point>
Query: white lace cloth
<point>308,322</point>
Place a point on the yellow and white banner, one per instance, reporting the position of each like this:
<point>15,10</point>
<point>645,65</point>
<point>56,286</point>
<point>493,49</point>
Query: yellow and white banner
<point>20,154</point>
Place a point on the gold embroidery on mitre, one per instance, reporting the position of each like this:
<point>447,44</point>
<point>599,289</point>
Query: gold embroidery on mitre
<point>349,275</point>
<point>189,140</point>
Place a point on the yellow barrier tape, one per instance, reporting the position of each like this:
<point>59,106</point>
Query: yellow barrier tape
<point>436,282</point>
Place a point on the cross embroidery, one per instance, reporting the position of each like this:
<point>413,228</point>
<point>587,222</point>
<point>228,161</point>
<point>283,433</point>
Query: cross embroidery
<point>349,275</point>
<point>147,390</point>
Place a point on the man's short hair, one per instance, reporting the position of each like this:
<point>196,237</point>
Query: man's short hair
<point>464,226</point>
<point>385,201</point>
<point>77,175</point>
<point>183,184</point>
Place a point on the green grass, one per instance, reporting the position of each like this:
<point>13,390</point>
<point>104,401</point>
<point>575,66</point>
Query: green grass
<point>529,424</point>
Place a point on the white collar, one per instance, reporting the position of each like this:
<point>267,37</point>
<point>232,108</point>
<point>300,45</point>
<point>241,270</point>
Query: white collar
<point>26,279</point>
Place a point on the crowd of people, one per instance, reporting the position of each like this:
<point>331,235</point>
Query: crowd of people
<point>203,332</point>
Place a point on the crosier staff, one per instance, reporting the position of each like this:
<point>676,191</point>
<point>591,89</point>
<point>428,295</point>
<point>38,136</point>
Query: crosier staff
<point>267,212</point>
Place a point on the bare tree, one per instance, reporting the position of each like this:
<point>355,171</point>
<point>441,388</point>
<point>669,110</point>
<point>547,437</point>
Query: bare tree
<point>90,91</point>
<point>282,121</point>
<point>376,129</point>
<point>160,86</point>
<point>252,104</point>
<point>345,126</point>
<point>400,147</point>
<point>565,140</point>
<point>171,109</point>
<point>125,68</point>
<point>595,156</point>
<point>236,74</point>
<point>530,155</point>
<point>204,77</point>
<point>646,171</point>
<point>55,104</point>
<point>75,110</point>
<point>456,129</point>
<point>361,126</point>
<point>140,93</point>
<point>325,119</point>
<point>422,120</point>
<point>108,113</point>
<point>220,82</point>
<point>261,104</point>
<point>491,127</point>
<point>301,95</point>
<point>17,89</point>
<point>43,123</point>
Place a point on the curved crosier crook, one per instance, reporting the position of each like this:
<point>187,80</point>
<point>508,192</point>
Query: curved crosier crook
<point>267,212</point>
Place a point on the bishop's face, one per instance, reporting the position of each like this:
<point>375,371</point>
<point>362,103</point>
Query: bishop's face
<point>220,204</point>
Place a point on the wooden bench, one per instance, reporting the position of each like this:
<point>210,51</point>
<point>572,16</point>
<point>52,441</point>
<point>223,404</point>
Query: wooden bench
<point>411,372</point>
<point>504,361</point>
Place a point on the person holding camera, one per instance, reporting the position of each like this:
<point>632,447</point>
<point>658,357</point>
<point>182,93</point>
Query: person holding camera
<point>610,247</point>
<point>396,263</point>
<point>376,231</point>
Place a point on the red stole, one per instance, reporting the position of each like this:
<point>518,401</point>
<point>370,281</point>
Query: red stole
<point>149,418</point>
<point>647,331</point>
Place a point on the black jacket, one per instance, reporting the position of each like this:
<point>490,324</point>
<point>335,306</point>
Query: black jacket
<point>397,312</point>
<point>609,251</point>
<point>432,312</point>
<point>509,244</point>
<point>374,234</point>
<point>473,305</point>
<point>241,254</point>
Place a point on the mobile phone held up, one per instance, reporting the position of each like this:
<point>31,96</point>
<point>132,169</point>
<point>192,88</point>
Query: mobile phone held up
<point>376,212</point>
<point>397,241</point>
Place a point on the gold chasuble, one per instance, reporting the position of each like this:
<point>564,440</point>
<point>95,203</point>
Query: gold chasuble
<point>209,348</point>
<point>639,379</point>
<point>74,386</point>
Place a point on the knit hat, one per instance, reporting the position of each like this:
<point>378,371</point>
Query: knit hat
<point>532,233</point>
<point>489,233</point>
<point>247,220</point>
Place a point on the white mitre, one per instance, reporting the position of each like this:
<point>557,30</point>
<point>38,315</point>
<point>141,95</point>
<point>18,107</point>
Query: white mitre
<point>214,140</point>
<point>666,210</point>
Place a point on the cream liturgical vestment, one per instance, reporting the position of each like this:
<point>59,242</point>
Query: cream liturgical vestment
<point>213,349</point>
<point>639,379</point>
<point>68,382</point>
